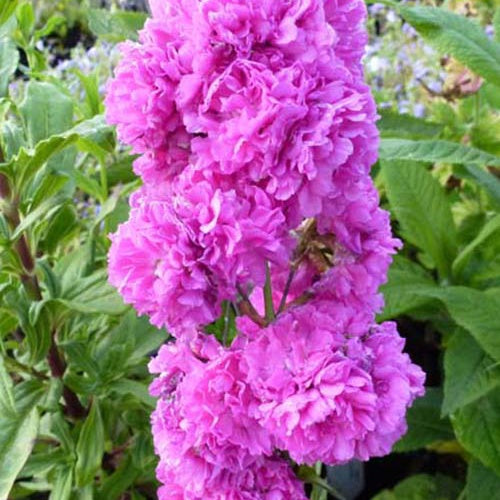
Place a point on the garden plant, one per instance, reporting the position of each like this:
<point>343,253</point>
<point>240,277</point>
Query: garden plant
<point>238,238</point>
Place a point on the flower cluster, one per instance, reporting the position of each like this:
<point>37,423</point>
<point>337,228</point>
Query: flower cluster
<point>255,133</point>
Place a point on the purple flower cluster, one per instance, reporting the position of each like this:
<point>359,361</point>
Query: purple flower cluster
<point>256,133</point>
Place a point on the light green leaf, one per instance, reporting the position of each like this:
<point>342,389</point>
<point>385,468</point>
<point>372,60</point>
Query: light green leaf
<point>470,372</point>
<point>7,404</point>
<point>9,58</point>
<point>491,228</point>
<point>458,36</point>
<point>424,212</point>
<point>7,8</point>
<point>17,437</point>
<point>403,290</point>
<point>93,294</point>
<point>477,427</point>
<point>62,485</point>
<point>137,389</point>
<point>484,179</point>
<point>115,26</point>
<point>406,126</point>
<point>423,487</point>
<point>482,482</point>
<point>425,425</point>
<point>434,151</point>
<point>90,447</point>
<point>46,111</point>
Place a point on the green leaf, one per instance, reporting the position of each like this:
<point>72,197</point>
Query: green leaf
<point>116,484</point>
<point>7,8</point>
<point>46,111</point>
<point>115,26</point>
<point>434,151</point>
<point>477,312</point>
<point>483,178</point>
<point>62,485</point>
<point>7,404</point>
<point>424,212</point>
<point>490,229</point>
<point>403,290</point>
<point>425,425</point>
<point>456,35</point>
<point>470,372</point>
<point>406,126</point>
<point>90,447</point>
<point>477,427</point>
<point>9,58</point>
<point>17,437</point>
<point>423,487</point>
<point>137,389</point>
<point>482,482</point>
<point>93,294</point>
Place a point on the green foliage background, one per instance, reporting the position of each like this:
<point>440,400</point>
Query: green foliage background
<point>74,406</point>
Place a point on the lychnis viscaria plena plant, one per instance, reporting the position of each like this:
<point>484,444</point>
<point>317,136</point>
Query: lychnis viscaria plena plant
<point>258,241</point>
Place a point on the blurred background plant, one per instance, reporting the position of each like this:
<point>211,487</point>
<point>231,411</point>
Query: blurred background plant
<point>74,407</point>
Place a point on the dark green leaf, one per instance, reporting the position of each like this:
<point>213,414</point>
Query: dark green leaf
<point>425,425</point>
<point>423,487</point>
<point>477,427</point>
<point>116,484</point>
<point>137,389</point>
<point>482,482</point>
<point>470,372</point>
<point>404,279</point>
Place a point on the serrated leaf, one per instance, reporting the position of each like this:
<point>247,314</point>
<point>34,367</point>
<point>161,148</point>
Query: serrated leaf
<point>90,447</point>
<point>434,151</point>
<point>477,427</point>
<point>17,437</point>
<point>403,290</point>
<point>477,312</point>
<point>470,372</point>
<point>458,36</point>
<point>482,482</point>
<point>425,425</point>
<point>423,211</point>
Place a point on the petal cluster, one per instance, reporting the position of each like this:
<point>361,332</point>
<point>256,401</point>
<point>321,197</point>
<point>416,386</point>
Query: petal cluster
<point>258,220</point>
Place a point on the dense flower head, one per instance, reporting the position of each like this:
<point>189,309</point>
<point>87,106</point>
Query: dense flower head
<point>258,241</point>
<point>326,394</point>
